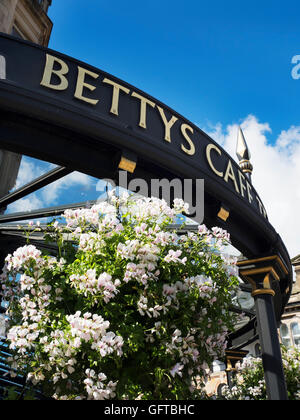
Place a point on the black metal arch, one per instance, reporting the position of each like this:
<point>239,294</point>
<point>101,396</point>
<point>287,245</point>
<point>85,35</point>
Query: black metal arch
<point>60,125</point>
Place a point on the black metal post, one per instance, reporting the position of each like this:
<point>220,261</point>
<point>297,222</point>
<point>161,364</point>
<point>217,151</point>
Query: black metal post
<point>270,346</point>
<point>265,274</point>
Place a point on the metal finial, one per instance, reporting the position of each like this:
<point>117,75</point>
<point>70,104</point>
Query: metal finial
<point>243,154</point>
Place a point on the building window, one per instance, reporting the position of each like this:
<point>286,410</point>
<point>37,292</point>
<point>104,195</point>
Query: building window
<point>296,333</point>
<point>285,335</point>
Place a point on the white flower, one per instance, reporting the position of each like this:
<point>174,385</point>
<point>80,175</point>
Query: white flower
<point>23,256</point>
<point>173,256</point>
<point>180,206</point>
<point>177,370</point>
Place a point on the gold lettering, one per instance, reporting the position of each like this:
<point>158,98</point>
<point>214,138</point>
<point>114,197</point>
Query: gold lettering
<point>191,150</point>
<point>81,84</point>
<point>230,174</point>
<point>261,207</point>
<point>60,73</point>
<point>168,124</point>
<point>116,95</point>
<point>249,188</point>
<point>209,148</point>
<point>144,103</point>
<point>242,186</point>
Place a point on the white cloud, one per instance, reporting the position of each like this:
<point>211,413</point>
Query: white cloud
<point>51,193</point>
<point>276,173</point>
<point>29,170</point>
<point>26,204</point>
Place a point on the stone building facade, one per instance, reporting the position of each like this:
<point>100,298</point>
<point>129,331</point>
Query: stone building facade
<point>25,19</point>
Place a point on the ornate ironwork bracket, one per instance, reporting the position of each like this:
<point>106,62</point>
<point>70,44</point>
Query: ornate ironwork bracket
<point>264,275</point>
<point>232,357</point>
<point>261,273</point>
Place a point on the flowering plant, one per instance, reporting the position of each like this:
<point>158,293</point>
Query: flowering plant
<point>126,309</point>
<point>249,383</point>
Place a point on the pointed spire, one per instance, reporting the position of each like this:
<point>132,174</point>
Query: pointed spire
<point>243,154</point>
<point>242,150</point>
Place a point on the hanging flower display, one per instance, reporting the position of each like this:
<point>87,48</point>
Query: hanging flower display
<point>126,309</point>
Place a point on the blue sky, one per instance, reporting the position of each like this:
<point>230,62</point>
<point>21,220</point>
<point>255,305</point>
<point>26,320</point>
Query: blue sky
<point>211,61</point>
<point>218,63</point>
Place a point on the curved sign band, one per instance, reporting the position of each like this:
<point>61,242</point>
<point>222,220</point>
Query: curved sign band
<point>59,109</point>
